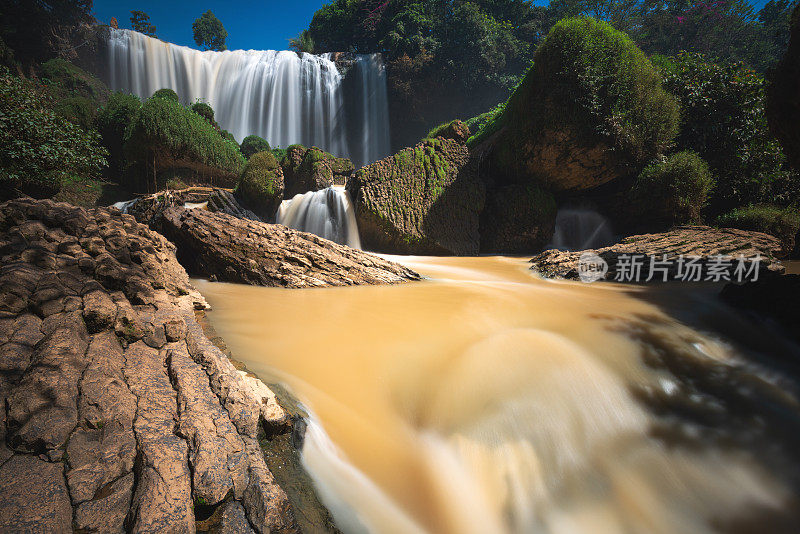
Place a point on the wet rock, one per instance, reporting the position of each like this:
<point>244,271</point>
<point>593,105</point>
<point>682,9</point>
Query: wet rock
<point>35,498</point>
<point>423,200</point>
<point>237,250</point>
<point>266,504</point>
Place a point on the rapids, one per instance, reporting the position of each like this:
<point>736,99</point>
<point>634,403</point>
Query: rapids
<point>487,400</point>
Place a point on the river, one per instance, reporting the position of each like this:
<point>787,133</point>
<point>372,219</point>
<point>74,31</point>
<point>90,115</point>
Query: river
<point>485,399</point>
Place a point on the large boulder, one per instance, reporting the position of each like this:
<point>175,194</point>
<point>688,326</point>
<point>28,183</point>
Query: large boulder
<point>261,186</point>
<point>312,169</point>
<point>590,110</point>
<point>423,200</point>
<point>238,250</point>
<point>119,413</point>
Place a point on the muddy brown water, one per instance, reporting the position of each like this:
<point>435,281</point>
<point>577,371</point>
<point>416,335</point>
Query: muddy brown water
<point>485,399</point>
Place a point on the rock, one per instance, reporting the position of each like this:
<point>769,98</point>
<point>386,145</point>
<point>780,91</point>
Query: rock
<point>35,498</point>
<point>107,513</point>
<point>238,250</point>
<point>456,130</point>
<point>312,169</point>
<point>702,241</point>
<point>233,519</point>
<point>423,200</point>
<point>261,185</point>
<point>121,415</point>
<point>517,219</point>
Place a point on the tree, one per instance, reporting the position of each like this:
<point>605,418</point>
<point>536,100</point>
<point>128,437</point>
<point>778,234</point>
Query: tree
<point>209,33</point>
<point>783,103</point>
<point>302,43</point>
<point>140,22</point>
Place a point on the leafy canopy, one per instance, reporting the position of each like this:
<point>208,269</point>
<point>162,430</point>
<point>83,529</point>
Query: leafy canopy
<point>209,33</point>
<point>140,22</point>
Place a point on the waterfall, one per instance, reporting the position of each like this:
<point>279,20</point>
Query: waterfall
<point>278,95</point>
<point>373,115</point>
<point>327,213</point>
<point>581,229</point>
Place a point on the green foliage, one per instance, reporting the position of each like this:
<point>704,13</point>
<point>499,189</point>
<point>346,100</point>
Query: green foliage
<point>252,144</point>
<point>112,121</point>
<point>279,154</point>
<point>169,94</point>
<point>724,121</point>
<point>209,33</point>
<point>303,43</point>
<point>485,125</point>
<point>40,148</point>
<point>39,30</point>
<point>780,222</point>
<point>592,81</point>
<point>140,22</point>
<point>673,191</point>
<point>205,111</point>
<point>261,183</point>
<point>165,134</point>
<point>783,103</point>
<point>76,93</point>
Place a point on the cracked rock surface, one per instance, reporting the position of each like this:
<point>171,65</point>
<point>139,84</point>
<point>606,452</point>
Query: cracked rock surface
<point>119,415</point>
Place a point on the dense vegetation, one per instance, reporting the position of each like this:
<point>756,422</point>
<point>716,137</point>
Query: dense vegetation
<point>672,191</point>
<point>41,149</point>
<point>783,107</point>
<point>774,220</point>
<point>260,186</point>
<point>458,58</point>
<point>725,122</point>
<point>252,144</point>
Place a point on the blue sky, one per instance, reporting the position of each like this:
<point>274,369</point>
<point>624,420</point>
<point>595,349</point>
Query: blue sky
<point>260,25</point>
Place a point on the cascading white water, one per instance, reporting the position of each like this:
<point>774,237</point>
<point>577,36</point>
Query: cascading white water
<point>581,229</point>
<point>327,213</point>
<point>278,95</point>
<point>373,138</point>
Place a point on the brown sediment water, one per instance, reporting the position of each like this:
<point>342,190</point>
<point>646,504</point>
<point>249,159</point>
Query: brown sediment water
<point>486,399</point>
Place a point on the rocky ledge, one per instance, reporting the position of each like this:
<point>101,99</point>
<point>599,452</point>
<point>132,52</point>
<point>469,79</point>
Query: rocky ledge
<point>119,415</point>
<point>227,248</point>
<point>700,241</point>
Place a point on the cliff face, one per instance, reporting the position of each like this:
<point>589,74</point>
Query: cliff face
<point>118,413</point>
<point>423,200</point>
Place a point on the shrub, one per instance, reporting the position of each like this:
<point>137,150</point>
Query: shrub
<point>724,121</point>
<point>252,144</point>
<point>485,125</point>
<point>589,88</point>
<point>112,121</point>
<point>77,95</point>
<point>166,135</point>
<point>168,94</point>
<point>40,148</point>
<point>279,153</point>
<point>672,191</point>
<point>205,111</point>
<point>260,186</point>
<point>781,222</point>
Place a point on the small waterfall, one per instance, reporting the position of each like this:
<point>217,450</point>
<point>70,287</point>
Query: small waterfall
<point>327,213</point>
<point>581,229</point>
<point>278,95</point>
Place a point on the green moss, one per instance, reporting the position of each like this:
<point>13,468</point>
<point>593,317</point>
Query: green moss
<point>673,191</point>
<point>165,134</point>
<point>70,80</point>
<point>261,184</point>
<point>252,144</point>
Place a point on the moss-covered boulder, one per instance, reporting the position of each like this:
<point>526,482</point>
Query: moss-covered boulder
<point>591,109</point>
<point>253,144</point>
<point>423,200</point>
<point>671,191</point>
<point>783,96</point>
<point>260,186</point>
<point>312,169</point>
<point>517,219</point>
<point>165,135</point>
